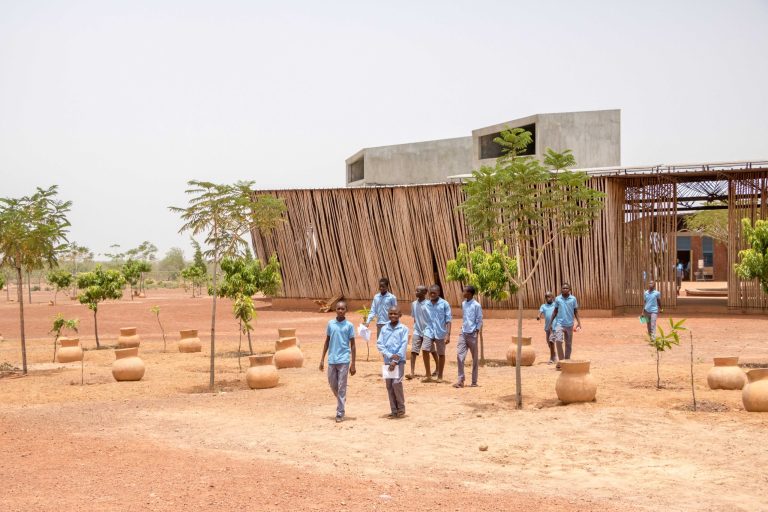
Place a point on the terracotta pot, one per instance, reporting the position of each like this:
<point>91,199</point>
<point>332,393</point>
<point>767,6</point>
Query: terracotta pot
<point>128,365</point>
<point>755,393</point>
<point>128,338</point>
<point>189,341</point>
<point>70,350</point>
<point>726,374</point>
<point>287,354</point>
<point>528,354</point>
<point>288,332</point>
<point>262,374</point>
<point>575,383</point>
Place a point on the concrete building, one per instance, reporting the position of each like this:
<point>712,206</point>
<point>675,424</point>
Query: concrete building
<point>594,137</point>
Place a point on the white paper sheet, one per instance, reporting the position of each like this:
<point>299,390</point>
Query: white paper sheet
<point>364,332</point>
<point>386,374</point>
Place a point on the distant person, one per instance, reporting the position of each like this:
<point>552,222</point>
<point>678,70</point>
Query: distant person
<point>438,333</point>
<point>340,340</point>
<point>471,323</point>
<point>678,275</point>
<point>381,303</point>
<point>546,311</point>
<point>565,313</point>
<point>392,344</point>
<point>420,316</point>
<point>651,308</point>
<point>687,275</point>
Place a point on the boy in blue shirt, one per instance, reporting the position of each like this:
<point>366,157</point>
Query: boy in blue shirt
<point>340,339</point>
<point>652,301</point>
<point>420,316</point>
<point>392,343</point>
<point>566,311</point>
<point>438,332</point>
<point>380,304</point>
<point>471,323</point>
<point>547,309</point>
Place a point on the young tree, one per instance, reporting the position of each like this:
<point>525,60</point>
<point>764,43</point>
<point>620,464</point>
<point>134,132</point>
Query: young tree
<point>663,341</point>
<point>32,232</point>
<point>197,273</point>
<point>77,255</point>
<point>242,279</point>
<point>60,279</point>
<point>156,311</point>
<point>98,286</point>
<point>143,255</point>
<point>224,214</point>
<point>753,262</point>
<point>520,199</point>
<point>59,324</point>
<point>131,271</point>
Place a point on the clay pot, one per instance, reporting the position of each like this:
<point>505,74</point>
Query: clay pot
<point>287,354</point>
<point>128,365</point>
<point>288,332</point>
<point>262,374</point>
<point>128,338</point>
<point>189,341</point>
<point>528,354</point>
<point>726,374</point>
<point>575,383</point>
<point>755,393</point>
<point>70,350</point>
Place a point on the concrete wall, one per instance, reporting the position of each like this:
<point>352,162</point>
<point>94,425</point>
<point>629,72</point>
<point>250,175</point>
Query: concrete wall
<point>594,137</point>
<point>416,163</point>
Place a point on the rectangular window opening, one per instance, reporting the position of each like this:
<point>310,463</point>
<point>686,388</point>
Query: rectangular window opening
<point>356,170</point>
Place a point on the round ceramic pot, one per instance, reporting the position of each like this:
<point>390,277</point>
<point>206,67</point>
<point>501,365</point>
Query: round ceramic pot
<point>128,338</point>
<point>726,374</point>
<point>189,341</point>
<point>575,383</point>
<point>69,351</point>
<point>262,374</point>
<point>287,354</point>
<point>528,354</point>
<point>755,393</point>
<point>128,365</point>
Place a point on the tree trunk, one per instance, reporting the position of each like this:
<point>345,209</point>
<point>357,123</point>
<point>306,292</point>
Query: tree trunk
<point>239,343</point>
<point>693,389</point>
<point>131,287</point>
<point>29,286</point>
<point>54,347</point>
<point>20,293</point>
<point>518,375</point>
<point>96,329</point>
<point>658,375</point>
<point>250,346</point>
<point>213,323</point>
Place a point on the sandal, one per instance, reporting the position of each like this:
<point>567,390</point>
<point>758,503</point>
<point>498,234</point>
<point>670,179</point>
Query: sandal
<point>458,385</point>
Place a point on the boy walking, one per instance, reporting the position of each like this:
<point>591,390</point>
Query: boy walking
<point>420,320</point>
<point>380,305</point>
<point>565,312</point>
<point>438,332</point>
<point>392,344</point>
<point>546,310</point>
<point>340,346</point>
<point>652,300</point>
<point>471,323</point>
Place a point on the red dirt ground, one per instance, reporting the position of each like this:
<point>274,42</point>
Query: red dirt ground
<point>165,443</point>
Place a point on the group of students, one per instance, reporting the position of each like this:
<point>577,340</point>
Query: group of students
<point>431,333</point>
<point>561,318</point>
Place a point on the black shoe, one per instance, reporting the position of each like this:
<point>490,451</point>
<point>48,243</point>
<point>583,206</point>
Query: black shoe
<point>339,419</point>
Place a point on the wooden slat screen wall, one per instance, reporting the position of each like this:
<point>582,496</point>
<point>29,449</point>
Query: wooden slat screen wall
<point>650,245</point>
<point>746,199</point>
<point>409,233</point>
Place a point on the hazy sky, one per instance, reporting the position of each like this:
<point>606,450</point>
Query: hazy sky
<point>120,103</point>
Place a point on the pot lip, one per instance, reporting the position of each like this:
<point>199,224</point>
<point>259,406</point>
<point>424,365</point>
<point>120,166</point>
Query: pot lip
<point>726,360</point>
<point>575,364</point>
<point>287,340</point>
<point>72,342</point>
<point>126,352</point>
<point>525,340</point>
<point>265,358</point>
<point>127,329</point>
<point>184,331</point>
<point>757,373</point>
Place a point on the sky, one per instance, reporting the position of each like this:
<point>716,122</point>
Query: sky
<point>120,103</point>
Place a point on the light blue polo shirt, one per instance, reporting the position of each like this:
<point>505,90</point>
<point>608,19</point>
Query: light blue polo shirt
<point>338,346</point>
<point>471,316</point>
<point>547,310</point>
<point>439,315</point>
<point>393,340</point>
<point>380,307</point>
<point>652,300</point>
<point>566,309</point>
<point>420,316</point>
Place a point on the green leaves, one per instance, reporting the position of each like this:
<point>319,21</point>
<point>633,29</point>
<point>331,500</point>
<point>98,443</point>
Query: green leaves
<point>60,278</point>
<point>60,323</point>
<point>753,262</point>
<point>664,340</point>
<point>99,285</point>
<point>494,273</point>
<point>243,276</point>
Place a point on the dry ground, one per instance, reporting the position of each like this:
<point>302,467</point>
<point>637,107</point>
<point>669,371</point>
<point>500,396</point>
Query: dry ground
<point>165,443</point>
